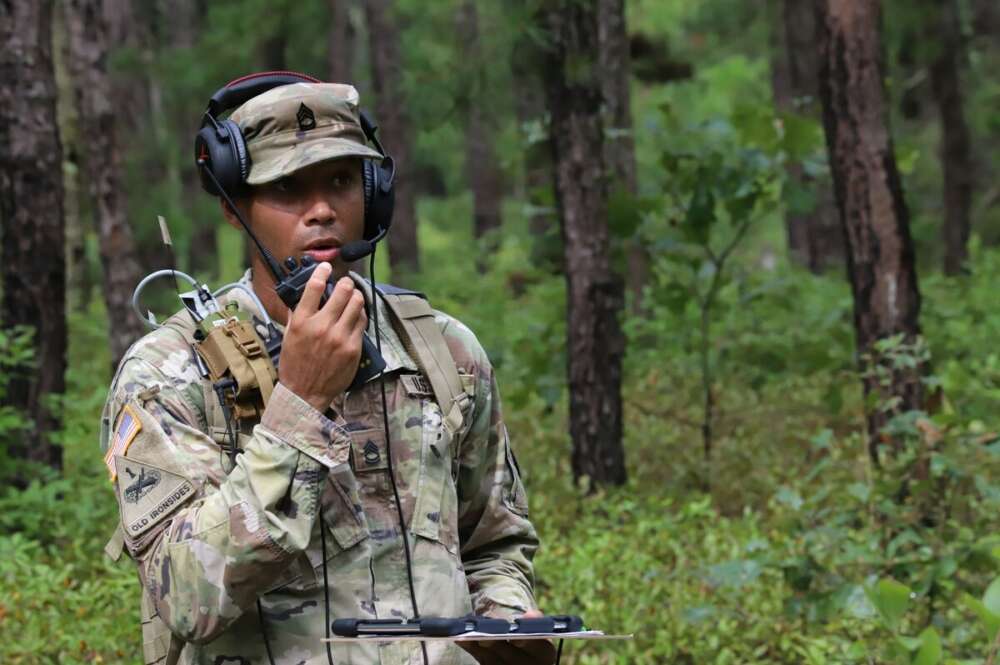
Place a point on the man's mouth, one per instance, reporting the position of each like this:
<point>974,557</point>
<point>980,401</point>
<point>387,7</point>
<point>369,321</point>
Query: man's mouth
<point>323,250</point>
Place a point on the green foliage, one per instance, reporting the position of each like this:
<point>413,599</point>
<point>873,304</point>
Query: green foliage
<point>16,360</point>
<point>61,600</point>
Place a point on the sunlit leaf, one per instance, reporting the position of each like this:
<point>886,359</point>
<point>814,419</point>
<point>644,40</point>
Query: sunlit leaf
<point>891,599</point>
<point>930,648</point>
<point>990,621</point>
<point>991,599</point>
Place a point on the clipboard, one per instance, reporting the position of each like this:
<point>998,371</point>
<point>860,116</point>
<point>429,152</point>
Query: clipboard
<point>465,629</point>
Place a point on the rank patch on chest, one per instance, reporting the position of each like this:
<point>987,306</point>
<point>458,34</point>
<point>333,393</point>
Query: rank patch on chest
<point>147,494</point>
<point>369,450</point>
<point>127,427</point>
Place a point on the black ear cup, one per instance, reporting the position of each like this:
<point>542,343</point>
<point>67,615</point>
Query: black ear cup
<point>369,178</point>
<point>380,196</point>
<point>221,148</point>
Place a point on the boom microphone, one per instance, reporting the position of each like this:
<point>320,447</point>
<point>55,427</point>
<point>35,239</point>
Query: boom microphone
<point>358,249</point>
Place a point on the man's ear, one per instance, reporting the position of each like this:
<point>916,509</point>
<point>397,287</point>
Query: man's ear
<point>230,216</point>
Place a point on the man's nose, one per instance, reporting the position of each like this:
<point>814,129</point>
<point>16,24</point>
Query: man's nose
<point>318,208</point>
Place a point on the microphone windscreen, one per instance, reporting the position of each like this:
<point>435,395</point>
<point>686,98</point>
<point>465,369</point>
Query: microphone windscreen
<point>358,249</point>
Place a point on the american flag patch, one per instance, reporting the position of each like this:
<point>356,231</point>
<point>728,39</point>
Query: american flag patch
<point>127,427</point>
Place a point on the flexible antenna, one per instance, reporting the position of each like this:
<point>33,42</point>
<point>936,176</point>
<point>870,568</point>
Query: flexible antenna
<point>165,235</point>
<point>272,265</point>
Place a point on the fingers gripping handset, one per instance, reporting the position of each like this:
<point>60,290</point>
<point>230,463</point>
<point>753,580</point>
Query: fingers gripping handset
<point>325,350</point>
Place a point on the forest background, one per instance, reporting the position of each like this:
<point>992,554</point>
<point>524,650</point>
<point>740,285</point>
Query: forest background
<point>672,198</point>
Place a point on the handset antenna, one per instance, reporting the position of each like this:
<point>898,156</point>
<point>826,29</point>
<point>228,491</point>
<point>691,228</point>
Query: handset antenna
<point>272,264</point>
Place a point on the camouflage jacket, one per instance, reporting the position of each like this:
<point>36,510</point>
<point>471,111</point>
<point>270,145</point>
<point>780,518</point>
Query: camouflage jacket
<point>230,553</point>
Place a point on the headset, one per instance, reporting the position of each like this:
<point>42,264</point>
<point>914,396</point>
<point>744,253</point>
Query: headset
<point>224,162</point>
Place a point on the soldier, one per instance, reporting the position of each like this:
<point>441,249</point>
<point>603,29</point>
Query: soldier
<point>248,559</point>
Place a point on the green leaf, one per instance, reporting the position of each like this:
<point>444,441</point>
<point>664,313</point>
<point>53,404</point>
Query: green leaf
<point>930,648</point>
<point>789,497</point>
<point>700,214</point>
<point>990,621</point>
<point>891,599</point>
<point>675,296</point>
<point>857,650</point>
<point>802,135</point>
<point>991,599</point>
<point>625,212</point>
<point>798,199</point>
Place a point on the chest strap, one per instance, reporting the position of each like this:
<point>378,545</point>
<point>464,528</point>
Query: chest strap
<point>424,341</point>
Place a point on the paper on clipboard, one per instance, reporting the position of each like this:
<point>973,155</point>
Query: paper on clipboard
<point>483,637</point>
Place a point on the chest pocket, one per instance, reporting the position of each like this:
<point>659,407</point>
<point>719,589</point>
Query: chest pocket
<point>342,511</point>
<point>435,511</point>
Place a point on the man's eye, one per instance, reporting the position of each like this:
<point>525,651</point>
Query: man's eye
<point>342,180</point>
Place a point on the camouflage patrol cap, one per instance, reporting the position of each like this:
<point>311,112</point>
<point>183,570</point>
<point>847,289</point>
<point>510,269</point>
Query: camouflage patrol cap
<point>293,126</point>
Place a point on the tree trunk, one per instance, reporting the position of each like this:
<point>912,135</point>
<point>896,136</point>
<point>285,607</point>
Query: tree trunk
<point>272,50</point>
<point>870,198</point>
<point>529,106</point>
<point>342,35</point>
<point>32,260</point>
<point>89,43</point>
<point>178,30</point>
<point>956,149</point>
<point>78,280</point>
<point>815,238</point>
<point>390,108</point>
<point>595,343</point>
<point>481,165</point>
<point>911,91</point>
<point>619,142</point>
<point>342,41</point>
<point>985,18</point>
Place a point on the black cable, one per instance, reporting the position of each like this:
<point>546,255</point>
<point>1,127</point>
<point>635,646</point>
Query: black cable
<point>388,452</point>
<point>272,265</point>
<point>220,389</point>
<point>263,632</point>
<point>559,652</point>
<point>326,586</point>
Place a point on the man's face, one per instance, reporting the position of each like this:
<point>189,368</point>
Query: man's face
<point>314,211</point>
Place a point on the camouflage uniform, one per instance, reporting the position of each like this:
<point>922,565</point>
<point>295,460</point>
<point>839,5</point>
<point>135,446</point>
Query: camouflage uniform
<point>211,539</point>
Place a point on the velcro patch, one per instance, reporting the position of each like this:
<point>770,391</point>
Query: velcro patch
<point>127,427</point>
<point>416,385</point>
<point>147,494</point>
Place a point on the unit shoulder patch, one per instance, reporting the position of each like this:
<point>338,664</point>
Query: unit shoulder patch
<point>147,494</point>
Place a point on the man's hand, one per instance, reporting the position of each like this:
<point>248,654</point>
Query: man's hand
<point>322,345</point>
<point>514,652</point>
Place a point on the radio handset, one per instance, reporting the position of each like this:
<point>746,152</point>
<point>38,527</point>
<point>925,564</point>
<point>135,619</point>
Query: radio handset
<point>290,289</point>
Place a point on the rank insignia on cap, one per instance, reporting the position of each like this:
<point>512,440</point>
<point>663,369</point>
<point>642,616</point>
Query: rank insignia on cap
<point>126,429</point>
<point>306,118</point>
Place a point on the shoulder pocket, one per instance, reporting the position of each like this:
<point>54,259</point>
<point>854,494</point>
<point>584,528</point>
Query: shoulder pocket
<point>514,494</point>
